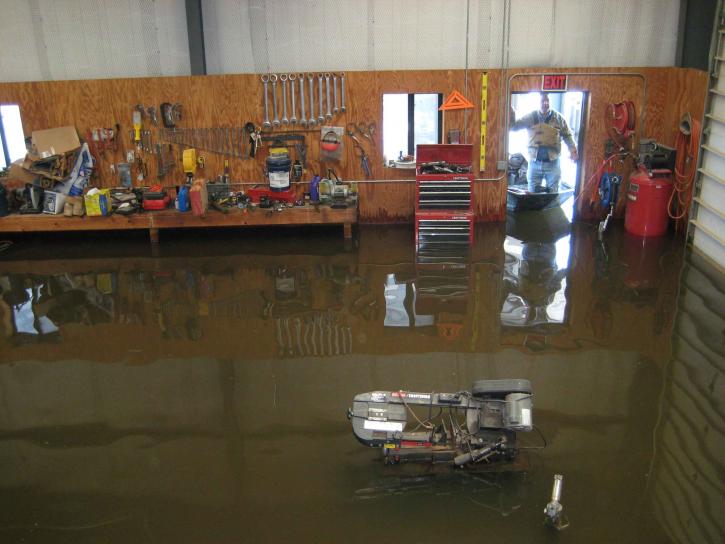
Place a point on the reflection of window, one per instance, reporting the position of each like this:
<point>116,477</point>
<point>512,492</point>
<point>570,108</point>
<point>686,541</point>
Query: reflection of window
<point>12,138</point>
<point>409,120</point>
<point>400,306</point>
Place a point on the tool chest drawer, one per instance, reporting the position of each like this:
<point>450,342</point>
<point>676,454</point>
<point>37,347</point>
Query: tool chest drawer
<point>443,177</point>
<point>443,229</point>
<point>444,192</point>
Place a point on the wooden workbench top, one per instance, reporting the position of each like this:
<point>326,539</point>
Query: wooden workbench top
<point>172,219</point>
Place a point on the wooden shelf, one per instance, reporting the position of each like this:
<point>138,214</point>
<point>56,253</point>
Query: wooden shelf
<point>172,219</point>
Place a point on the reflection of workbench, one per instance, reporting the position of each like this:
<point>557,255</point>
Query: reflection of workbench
<point>172,219</point>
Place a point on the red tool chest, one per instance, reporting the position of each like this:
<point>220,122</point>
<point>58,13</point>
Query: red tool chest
<point>444,201</point>
<point>441,191</point>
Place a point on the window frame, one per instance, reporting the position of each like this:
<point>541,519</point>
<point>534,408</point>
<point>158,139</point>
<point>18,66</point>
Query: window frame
<point>411,121</point>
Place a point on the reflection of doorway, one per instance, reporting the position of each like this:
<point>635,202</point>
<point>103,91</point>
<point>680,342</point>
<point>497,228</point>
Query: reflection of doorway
<point>571,106</point>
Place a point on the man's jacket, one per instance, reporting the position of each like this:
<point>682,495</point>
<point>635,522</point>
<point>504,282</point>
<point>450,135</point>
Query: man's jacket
<point>545,131</point>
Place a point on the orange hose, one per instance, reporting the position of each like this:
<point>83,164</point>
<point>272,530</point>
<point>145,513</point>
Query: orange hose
<point>686,149</point>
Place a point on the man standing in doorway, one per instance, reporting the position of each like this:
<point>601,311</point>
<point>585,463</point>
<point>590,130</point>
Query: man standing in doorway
<point>546,130</point>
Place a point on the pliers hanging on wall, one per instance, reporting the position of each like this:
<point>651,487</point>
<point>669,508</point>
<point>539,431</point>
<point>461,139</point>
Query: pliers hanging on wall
<point>358,148</point>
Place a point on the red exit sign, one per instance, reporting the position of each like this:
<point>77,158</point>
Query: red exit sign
<point>553,82</point>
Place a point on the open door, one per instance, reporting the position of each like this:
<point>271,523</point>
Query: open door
<point>572,106</point>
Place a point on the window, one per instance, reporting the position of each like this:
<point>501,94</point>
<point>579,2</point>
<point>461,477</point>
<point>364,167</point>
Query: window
<point>12,137</point>
<point>409,120</point>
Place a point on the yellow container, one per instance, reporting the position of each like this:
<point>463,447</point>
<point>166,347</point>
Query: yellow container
<point>98,202</point>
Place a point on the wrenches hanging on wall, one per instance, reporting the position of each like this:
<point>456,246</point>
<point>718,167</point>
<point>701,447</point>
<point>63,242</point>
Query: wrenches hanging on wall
<point>327,100</point>
<point>230,141</point>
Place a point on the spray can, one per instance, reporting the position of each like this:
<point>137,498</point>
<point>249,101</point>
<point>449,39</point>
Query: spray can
<point>315,189</point>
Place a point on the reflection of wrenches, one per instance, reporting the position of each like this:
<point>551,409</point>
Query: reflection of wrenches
<point>303,115</point>
<point>293,118</point>
<point>320,114</point>
<point>283,79</point>
<point>342,84</point>
<point>327,92</point>
<point>280,342</point>
<point>289,335</point>
<point>335,109</point>
<point>273,79</point>
<point>266,124</point>
<point>312,336</point>
<point>298,330</point>
<point>311,79</point>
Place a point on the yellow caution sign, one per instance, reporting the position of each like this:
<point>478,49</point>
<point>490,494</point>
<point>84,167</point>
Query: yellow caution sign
<point>484,120</point>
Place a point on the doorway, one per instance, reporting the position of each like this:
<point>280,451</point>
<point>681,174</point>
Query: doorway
<point>571,105</point>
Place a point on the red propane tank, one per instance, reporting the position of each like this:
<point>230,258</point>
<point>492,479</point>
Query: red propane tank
<point>648,197</point>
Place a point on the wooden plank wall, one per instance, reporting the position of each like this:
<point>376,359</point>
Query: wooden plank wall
<point>232,100</point>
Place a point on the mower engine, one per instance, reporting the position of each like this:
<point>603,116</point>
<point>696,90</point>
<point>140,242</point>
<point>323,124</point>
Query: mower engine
<point>459,429</point>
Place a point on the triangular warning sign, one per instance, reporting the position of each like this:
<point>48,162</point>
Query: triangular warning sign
<point>456,101</point>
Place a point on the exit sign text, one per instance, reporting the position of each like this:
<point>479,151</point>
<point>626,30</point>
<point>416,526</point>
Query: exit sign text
<point>553,82</point>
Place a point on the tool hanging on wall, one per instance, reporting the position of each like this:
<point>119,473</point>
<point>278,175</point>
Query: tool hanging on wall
<point>620,122</point>
<point>609,185</point>
<point>366,131</point>
<point>230,141</point>
<point>170,114</point>
<point>324,95</point>
<point>484,122</point>
<point>138,114</point>
<point>151,111</point>
<point>280,140</point>
<point>165,161</point>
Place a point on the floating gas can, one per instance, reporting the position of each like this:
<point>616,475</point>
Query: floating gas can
<point>648,199</point>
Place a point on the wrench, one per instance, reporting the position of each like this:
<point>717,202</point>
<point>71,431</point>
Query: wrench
<point>311,79</point>
<point>342,83</point>
<point>303,116</point>
<point>283,79</point>
<point>273,79</point>
<point>292,78</point>
<point>266,124</point>
<point>327,87</point>
<point>320,115</point>
<point>334,91</point>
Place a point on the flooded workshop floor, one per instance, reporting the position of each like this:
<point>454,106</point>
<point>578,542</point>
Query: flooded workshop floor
<point>200,395</point>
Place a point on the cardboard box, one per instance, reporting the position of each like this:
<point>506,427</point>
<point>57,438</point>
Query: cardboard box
<point>53,202</point>
<point>18,176</point>
<point>54,141</point>
<point>98,202</point>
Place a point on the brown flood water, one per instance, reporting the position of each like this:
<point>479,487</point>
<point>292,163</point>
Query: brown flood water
<point>200,395</point>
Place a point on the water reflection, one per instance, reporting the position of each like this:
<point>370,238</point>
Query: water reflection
<point>513,288</point>
<point>537,262</point>
<point>210,384</point>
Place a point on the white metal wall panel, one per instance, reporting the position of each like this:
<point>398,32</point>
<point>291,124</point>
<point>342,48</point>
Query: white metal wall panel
<point>708,212</point>
<point>309,35</point>
<point>687,466</point>
<point>77,39</point>
<point>713,193</point>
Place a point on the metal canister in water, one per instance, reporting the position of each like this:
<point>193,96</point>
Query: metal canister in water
<point>278,170</point>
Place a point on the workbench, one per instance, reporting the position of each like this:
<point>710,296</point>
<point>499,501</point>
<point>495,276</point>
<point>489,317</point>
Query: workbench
<point>173,219</point>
